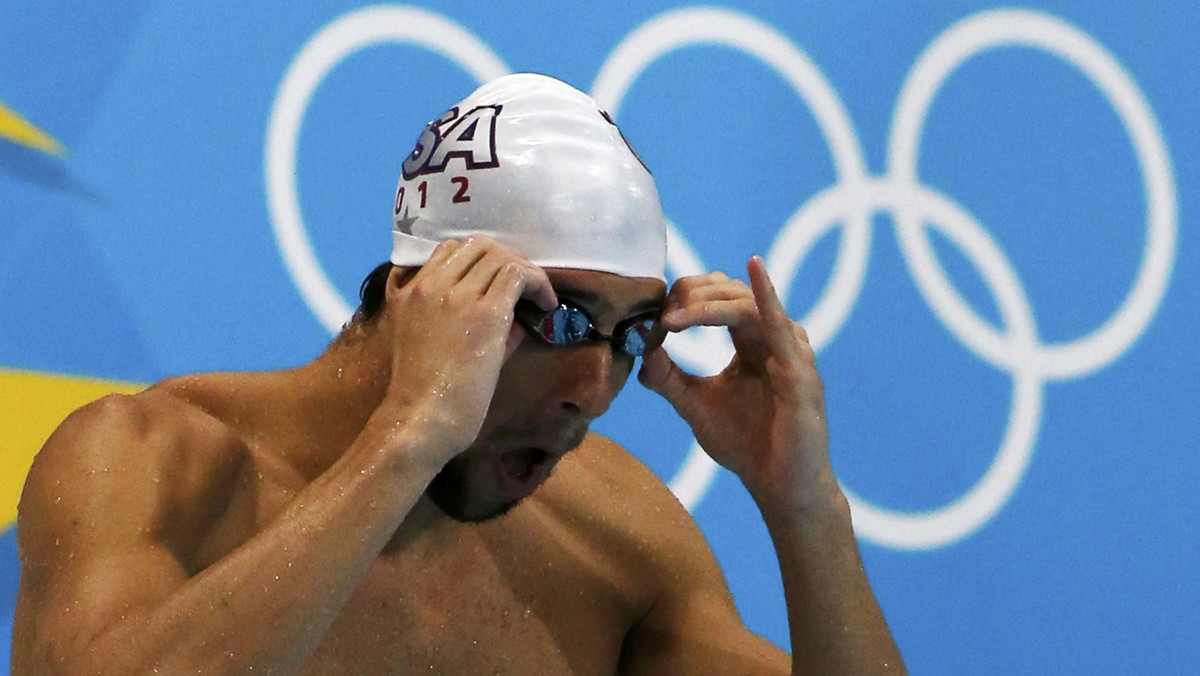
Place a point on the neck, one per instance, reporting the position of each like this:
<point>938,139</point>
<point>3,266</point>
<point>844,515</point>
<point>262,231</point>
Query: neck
<point>337,392</point>
<point>341,390</point>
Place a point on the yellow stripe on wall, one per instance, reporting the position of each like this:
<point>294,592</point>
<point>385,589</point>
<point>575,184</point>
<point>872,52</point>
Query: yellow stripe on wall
<point>16,128</point>
<point>31,406</point>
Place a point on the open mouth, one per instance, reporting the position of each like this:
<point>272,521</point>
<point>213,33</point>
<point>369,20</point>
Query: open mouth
<point>522,470</point>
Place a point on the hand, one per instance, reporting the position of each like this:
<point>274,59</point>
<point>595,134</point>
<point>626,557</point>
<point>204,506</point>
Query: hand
<point>763,416</point>
<point>453,329</point>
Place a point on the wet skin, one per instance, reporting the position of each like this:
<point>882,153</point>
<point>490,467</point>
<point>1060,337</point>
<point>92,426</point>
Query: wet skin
<point>278,521</point>
<point>558,585</point>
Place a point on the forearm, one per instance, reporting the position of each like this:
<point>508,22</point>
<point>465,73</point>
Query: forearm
<point>267,605</point>
<point>836,624</point>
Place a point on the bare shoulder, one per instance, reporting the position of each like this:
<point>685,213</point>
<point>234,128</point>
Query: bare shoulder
<point>690,624</point>
<point>136,460</point>
<point>115,503</point>
<point>618,498</point>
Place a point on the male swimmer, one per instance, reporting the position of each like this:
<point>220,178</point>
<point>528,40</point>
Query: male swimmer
<point>424,497</point>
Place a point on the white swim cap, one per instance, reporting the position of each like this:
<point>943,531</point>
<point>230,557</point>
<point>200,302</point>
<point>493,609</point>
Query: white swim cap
<point>534,164</point>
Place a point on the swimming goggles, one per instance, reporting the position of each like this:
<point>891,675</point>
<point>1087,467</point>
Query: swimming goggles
<point>569,324</point>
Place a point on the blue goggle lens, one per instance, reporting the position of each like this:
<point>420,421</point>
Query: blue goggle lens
<point>569,325</point>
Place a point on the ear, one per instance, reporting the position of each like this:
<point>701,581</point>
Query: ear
<point>399,276</point>
<point>377,292</point>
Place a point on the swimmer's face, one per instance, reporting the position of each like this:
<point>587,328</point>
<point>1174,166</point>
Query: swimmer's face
<point>545,399</point>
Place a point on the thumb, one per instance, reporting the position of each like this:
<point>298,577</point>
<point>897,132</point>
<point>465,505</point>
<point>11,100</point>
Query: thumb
<point>516,336</point>
<point>661,375</point>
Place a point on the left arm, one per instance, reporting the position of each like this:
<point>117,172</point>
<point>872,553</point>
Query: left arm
<point>763,418</point>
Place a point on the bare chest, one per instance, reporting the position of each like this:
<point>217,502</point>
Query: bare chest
<point>481,613</point>
<point>532,593</point>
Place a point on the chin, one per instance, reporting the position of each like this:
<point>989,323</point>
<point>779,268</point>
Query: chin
<point>474,513</point>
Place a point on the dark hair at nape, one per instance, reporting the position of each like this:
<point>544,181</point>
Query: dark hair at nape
<point>373,292</point>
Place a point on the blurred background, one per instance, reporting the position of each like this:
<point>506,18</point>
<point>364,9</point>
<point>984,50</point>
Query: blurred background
<point>980,212</point>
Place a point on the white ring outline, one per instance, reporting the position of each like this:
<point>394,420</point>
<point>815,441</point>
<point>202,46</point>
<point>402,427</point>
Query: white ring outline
<point>856,197</point>
<point>966,39</point>
<point>1023,356</point>
<point>366,27</point>
<point>1019,353</point>
<point>951,522</point>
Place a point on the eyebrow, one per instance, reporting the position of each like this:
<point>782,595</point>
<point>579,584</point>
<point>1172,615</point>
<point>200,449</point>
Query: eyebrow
<point>596,302</point>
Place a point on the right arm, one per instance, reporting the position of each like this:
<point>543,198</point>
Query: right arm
<point>104,589</point>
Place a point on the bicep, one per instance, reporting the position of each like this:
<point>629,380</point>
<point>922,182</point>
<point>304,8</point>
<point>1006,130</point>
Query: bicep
<point>689,625</point>
<point>88,533</point>
<point>62,608</point>
<point>699,632</point>
<point>693,626</point>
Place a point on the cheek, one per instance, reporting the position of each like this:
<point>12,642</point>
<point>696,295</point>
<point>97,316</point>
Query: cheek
<point>523,379</point>
<point>536,374</point>
<point>622,367</point>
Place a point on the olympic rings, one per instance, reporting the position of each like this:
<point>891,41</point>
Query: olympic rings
<point>851,203</point>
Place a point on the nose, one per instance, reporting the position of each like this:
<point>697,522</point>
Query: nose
<point>588,379</point>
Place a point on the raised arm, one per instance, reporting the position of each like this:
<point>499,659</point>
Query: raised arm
<point>763,418</point>
<point>108,523</point>
<point>127,490</point>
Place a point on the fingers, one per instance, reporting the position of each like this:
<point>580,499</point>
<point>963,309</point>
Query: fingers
<point>708,300</point>
<point>520,279</point>
<point>756,318</point>
<point>474,265</point>
<point>782,334</point>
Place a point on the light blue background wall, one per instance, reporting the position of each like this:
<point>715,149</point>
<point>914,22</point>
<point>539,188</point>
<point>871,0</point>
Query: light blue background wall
<point>1015,413</point>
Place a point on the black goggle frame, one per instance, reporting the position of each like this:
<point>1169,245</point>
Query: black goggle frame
<point>569,324</point>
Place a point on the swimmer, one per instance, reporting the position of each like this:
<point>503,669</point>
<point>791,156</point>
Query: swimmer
<point>425,497</point>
